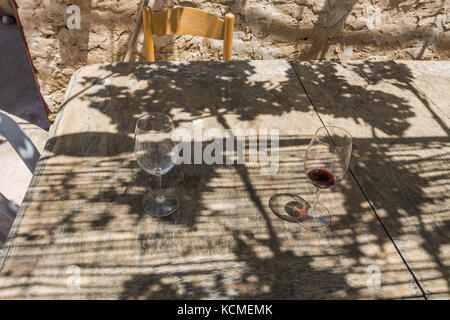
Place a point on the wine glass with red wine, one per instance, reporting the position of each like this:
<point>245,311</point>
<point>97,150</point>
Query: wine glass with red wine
<point>326,163</point>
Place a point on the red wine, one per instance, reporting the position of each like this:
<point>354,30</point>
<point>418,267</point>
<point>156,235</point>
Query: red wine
<point>322,178</point>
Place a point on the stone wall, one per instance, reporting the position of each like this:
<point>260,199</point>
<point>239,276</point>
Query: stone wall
<point>280,29</point>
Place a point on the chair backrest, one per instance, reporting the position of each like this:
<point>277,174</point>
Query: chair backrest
<point>189,21</point>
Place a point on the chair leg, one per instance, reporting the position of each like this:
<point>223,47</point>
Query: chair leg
<point>2,240</point>
<point>7,207</point>
<point>148,34</point>
<point>228,36</point>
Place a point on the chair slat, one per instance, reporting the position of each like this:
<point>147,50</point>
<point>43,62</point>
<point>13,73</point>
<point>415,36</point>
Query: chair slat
<point>188,21</point>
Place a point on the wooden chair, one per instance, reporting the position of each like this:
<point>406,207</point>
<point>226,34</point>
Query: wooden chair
<point>190,21</point>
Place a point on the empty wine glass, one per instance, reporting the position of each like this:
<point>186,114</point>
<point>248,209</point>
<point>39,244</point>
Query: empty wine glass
<point>153,151</point>
<point>326,163</point>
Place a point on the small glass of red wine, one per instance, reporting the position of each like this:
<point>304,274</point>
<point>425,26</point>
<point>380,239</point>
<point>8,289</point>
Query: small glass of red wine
<point>326,163</point>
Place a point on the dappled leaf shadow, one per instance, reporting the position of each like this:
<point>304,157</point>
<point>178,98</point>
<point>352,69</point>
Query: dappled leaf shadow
<point>224,241</point>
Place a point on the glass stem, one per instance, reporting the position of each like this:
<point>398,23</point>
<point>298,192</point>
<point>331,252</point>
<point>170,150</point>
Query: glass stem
<point>160,195</point>
<point>316,199</point>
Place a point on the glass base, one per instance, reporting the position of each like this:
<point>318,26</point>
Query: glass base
<point>160,206</point>
<point>316,220</point>
<point>293,208</point>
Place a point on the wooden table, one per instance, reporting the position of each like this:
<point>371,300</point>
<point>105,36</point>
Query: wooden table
<point>81,233</point>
